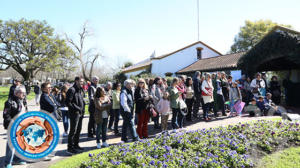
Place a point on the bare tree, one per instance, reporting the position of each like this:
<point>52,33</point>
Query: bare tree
<point>86,58</point>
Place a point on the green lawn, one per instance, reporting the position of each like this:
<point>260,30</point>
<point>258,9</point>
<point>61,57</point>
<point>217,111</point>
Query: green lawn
<point>4,96</point>
<point>289,158</point>
<point>76,160</point>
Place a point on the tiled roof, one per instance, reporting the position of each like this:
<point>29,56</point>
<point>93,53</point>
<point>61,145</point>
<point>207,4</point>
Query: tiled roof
<point>214,63</point>
<point>138,66</point>
<point>198,42</point>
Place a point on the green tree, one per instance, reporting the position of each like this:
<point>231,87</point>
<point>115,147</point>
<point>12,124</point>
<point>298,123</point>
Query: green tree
<point>251,34</point>
<point>128,64</point>
<point>30,47</point>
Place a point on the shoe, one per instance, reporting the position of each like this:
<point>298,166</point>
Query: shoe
<point>98,145</point>
<point>124,140</point>
<point>110,129</point>
<point>157,127</point>
<point>136,139</point>
<point>77,147</point>
<point>224,114</point>
<point>104,144</point>
<point>72,151</point>
<point>47,158</point>
<point>65,134</point>
<point>9,166</point>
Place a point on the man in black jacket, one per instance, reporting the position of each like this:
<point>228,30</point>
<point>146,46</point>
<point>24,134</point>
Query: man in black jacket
<point>91,93</point>
<point>13,106</point>
<point>76,106</point>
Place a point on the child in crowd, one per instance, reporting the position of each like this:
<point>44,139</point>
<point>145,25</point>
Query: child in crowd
<point>234,97</point>
<point>163,108</point>
<point>252,109</point>
<point>261,105</point>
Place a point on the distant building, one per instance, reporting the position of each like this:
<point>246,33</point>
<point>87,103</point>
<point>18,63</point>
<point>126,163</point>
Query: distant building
<point>174,61</point>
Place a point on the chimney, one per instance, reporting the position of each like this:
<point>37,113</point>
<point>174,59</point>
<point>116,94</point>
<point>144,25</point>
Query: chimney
<point>199,53</point>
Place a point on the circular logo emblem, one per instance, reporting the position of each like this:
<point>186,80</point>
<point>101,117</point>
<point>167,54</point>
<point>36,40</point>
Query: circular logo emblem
<point>34,135</point>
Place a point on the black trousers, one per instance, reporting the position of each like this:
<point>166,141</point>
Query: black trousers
<point>75,129</point>
<point>111,118</point>
<point>189,104</point>
<point>92,124</point>
<point>197,103</point>
<point>221,101</point>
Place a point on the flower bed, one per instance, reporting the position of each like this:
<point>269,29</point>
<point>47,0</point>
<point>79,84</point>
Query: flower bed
<point>233,146</point>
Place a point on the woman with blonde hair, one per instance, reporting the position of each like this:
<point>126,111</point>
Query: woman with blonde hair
<point>143,102</point>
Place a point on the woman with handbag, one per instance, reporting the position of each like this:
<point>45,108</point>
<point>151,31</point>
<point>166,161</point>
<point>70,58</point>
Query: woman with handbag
<point>142,100</point>
<point>177,117</point>
<point>207,94</point>
<point>103,105</point>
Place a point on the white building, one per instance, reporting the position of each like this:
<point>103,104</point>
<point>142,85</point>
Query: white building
<point>174,61</point>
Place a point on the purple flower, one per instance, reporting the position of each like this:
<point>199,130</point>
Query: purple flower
<point>152,162</point>
<point>90,155</point>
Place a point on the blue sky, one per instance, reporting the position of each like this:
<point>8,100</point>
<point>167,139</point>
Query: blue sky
<point>133,29</point>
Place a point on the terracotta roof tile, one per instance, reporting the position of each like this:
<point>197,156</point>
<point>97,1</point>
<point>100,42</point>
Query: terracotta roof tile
<point>223,62</point>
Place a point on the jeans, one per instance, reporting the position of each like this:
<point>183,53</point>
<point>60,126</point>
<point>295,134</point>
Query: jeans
<point>142,127</point>
<point>75,129</point>
<point>189,104</point>
<point>101,129</point>
<point>177,118</point>
<point>206,109</point>
<point>111,118</point>
<point>37,98</point>
<point>65,118</point>
<point>117,119</point>
<point>128,123</point>
<point>10,156</point>
<point>91,124</point>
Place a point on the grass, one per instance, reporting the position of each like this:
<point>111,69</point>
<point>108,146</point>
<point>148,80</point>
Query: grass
<point>4,96</point>
<point>288,158</point>
<point>76,160</point>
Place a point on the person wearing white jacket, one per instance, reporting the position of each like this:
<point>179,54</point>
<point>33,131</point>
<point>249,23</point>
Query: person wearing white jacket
<point>258,86</point>
<point>207,94</point>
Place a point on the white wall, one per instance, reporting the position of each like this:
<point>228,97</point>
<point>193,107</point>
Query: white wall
<point>180,60</point>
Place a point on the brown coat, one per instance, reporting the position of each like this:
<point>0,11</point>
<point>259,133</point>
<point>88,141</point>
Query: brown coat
<point>100,107</point>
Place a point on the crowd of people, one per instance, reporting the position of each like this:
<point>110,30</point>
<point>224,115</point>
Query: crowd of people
<point>140,101</point>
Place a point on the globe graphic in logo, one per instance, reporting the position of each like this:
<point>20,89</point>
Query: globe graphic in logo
<point>34,135</point>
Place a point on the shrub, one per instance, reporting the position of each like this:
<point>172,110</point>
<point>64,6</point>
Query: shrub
<point>168,74</point>
<point>232,146</point>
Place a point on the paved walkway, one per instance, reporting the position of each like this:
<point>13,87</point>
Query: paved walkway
<point>90,144</point>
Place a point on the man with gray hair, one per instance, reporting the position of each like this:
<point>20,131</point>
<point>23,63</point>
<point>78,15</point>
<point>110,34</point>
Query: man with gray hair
<point>91,93</point>
<point>13,106</point>
<point>126,100</point>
